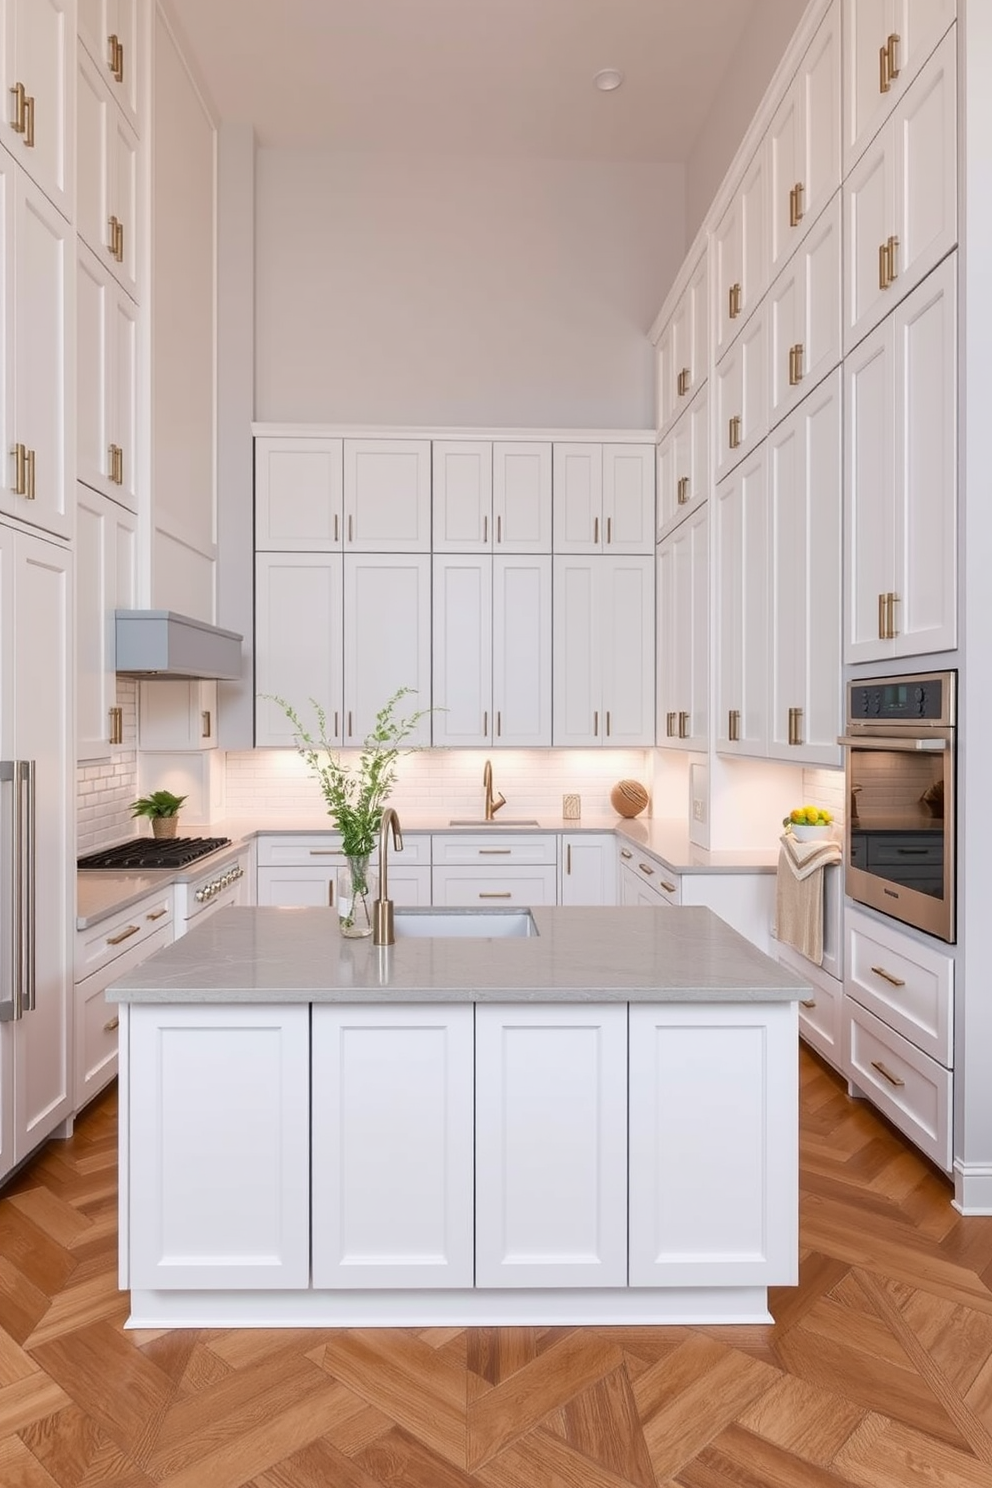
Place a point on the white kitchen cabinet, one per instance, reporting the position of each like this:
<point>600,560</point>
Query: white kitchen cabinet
<point>683,634</point>
<point>741,580</point>
<point>462,496</point>
<point>741,392</point>
<point>509,868</point>
<point>900,434</point>
<point>177,713</point>
<point>805,455</point>
<point>223,1200</point>
<point>588,868</point>
<point>104,952</point>
<point>603,498</point>
<point>36,729</point>
<point>106,382</point>
<point>683,461</point>
<point>721,1200</point>
<point>299,500</point>
<point>740,253</point>
<point>804,315</point>
<point>551,1145</point>
<point>108,29</point>
<point>299,643</point>
<point>37,408</point>
<point>106,176</point>
<point>387,495</point>
<point>915,1092</point>
<point>492,650</point>
<point>522,496</point>
<point>299,869</point>
<point>886,42</point>
<point>387,640</point>
<point>901,198</point>
<point>39,42</point>
<point>106,538</point>
<point>682,357</point>
<point>603,642</point>
<point>804,169</point>
<point>393,1160</point>
<point>646,882</point>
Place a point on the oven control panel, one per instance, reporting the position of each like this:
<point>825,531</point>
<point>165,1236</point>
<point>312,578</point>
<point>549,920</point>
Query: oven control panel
<point>903,700</point>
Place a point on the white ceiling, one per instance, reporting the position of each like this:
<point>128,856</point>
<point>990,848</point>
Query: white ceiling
<point>509,78</point>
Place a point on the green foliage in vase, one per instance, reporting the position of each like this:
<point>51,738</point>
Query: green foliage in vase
<point>159,803</point>
<point>356,795</point>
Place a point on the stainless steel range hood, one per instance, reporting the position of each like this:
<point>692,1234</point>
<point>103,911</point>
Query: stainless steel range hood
<point>160,643</point>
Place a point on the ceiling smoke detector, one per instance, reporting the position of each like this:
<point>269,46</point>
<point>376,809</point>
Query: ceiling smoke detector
<point>608,79</point>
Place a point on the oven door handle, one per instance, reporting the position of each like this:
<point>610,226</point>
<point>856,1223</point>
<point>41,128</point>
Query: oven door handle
<point>909,746</point>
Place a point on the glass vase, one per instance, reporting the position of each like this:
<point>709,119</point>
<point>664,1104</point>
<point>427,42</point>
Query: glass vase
<point>355,893</point>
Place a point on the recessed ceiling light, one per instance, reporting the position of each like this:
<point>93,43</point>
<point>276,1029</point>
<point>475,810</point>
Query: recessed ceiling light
<point>608,79</point>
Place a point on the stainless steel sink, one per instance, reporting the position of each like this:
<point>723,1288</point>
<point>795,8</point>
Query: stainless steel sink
<point>478,924</point>
<point>503,821</point>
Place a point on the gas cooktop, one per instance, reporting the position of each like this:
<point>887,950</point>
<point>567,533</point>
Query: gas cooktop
<point>145,852</point>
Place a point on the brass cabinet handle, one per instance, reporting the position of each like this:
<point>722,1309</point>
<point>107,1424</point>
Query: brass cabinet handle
<point>796,364</point>
<point>888,977</point>
<point>734,431</point>
<point>349,724</point>
<point>116,57</point>
<point>485,529</point>
<point>892,56</point>
<point>568,858</point>
<point>29,459</point>
<point>156,914</point>
<point>499,722</point>
<point>335,527</point>
<point>645,869</point>
<point>609,531</point>
<point>29,121</point>
<point>669,887</point>
<point>684,382</point>
<point>335,723</point>
<point>124,935</point>
<point>325,852</point>
<point>797,211</point>
<point>504,894</point>
<point>205,724</point>
<point>883,266</point>
<point>891,248</point>
<point>808,1002</point>
<point>116,726</point>
<point>682,490</point>
<point>683,725</point>
<point>795,725</point>
<point>595,529</point>
<point>595,724</point>
<point>734,297</point>
<point>112,1024</point>
<point>330,893</point>
<point>351,527</point>
<point>119,242</point>
<point>499,528</point>
<point>670,725</point>
<point>112,225</point>
<point>625,852</point>
<point>607,723</point>
<point>887,1074</point>
<point>17,123</point>
<point>891,600</point>
<point>881,617</point>
<point>494,852</point>
<point>19,453</point>
<point>734,725</point>
<point>485,720</point>
<point>883,69</point>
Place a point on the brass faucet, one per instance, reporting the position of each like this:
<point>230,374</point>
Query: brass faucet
<point>492,805</point>
<point>383,933</point>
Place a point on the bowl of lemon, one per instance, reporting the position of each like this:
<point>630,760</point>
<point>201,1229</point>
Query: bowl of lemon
<point>807,823</point>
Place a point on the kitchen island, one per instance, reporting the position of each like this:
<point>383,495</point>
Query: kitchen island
<point>595,1122</point>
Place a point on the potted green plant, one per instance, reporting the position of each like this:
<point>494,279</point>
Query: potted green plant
<point>162,809</point>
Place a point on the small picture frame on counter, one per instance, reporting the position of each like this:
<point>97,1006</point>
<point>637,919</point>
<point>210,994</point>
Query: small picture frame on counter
<point>571,807</point>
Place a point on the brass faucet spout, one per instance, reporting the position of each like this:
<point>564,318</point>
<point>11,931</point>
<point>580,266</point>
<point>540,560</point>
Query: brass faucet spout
<point>493,803</point>
<point>383,933</point>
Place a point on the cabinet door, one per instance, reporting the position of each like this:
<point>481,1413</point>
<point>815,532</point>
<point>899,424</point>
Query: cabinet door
<point>387,640</point>
<point>299,646</point>
<point>588,868</point>
<point>869,461</point>
<point>683,635</point>
<point>392,1146</point>
<point>741,585</point>
<point>804,315</point>
<point>741,253</point>
<point>683,462</point>
<point>106,540</point>
<point>38,50</point>
<point>551,1146</point>
<point>108,29</point>
<point>298,494</point>
<point>462,496</point>
<point>578,664</point>
<point>578,498</point>
<point>387,495</point>
<point>886,42</point>
<point>300,886</point>
<point>666,381</point>
<point>628,655</point>
<point>123,397</point>
<point>106,394</point>
<point>803,145</point>
<point>220,1102</point>
<point>628,498</point>
<point>804,480</point>
<point>177,713</point>
<point>521,652</point>
<point>690,336</point>
<point>742,394</point>
<point>713,1199</point>
<point>97,1021</point>
<point>122,174</point>
<point>463,650</point>
<point>41,410</point>
<point>522,496</point>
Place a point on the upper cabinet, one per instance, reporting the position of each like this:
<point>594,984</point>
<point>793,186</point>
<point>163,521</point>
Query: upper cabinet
<point>741,393</point>
<point>683,465</point>
<point>522,496</point>
<point>299,483</point>
<point>804,315</point>
<point>604,498</point>
<point>901,197</point>
<point>682,358</point>
<point>491,496</point>
<point>804,145</point>
<point>106,382</point>
<point>886,42</point>
<point>683,590</point>
<point>603,644</point>
<point>387,495</point>
<point>106,176</point>
<point>108,29</point>
<point>740,247</point>
<point>39,38</point>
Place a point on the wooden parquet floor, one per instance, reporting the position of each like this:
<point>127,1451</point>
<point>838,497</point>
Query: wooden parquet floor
<point>876,1372</point>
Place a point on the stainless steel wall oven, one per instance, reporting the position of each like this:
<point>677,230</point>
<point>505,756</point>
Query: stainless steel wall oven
<point>899,851</point>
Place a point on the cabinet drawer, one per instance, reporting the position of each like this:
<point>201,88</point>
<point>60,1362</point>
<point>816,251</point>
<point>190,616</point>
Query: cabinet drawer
<point>97,1019</point>
<point>496,848</point>
<point>666,884</point>
<point>908,985</point>
<point>102,943</point>
<point>463,886</point>
<point>820,1009</point>
<point>313,849</point>
<point>910,1088</point>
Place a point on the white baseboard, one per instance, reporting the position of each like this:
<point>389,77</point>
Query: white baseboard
<point>973,1188</point>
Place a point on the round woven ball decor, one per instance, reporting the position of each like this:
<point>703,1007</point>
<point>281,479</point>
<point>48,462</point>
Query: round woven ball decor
<point>628,797</point>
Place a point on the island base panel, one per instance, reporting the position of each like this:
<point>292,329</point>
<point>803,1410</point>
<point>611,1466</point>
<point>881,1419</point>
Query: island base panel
<point>470,1308</point>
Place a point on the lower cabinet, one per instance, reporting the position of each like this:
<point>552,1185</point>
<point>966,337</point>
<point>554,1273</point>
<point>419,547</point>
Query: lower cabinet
<point>588,868</point>
<point>514,868</point>
<point>299,869</point>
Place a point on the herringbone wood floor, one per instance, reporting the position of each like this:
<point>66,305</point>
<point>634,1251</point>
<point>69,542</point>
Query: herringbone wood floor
<point>876,1372</point>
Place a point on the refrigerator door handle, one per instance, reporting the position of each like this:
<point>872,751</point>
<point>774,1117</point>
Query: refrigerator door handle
<point>10,910</point>
<point>17,915</point>
<point>29,885</point>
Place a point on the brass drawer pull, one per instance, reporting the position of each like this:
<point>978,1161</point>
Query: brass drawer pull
<point>505,894</point>
<point>734,431</point>
<point>668,887</point>
<point>116,726</point>
<point>568,858</point>
<point>595,530</point>
<point>124,935</point>
<point>493,852</point>
<point>734,726</point>
<point>683,725</point>
<point>888,977</point>
<point>670,725</point>
<point>682,490</point>
<point>877,1064</point>
<point>645,869</point>
<point>625,852</point>
<point>325,852</point>
<point>808,1002</point>
<point>114,1023</point>
<point>156,914</point>
<point>734,301</point>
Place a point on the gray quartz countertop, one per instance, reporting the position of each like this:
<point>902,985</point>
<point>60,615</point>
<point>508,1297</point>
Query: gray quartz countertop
<point>578,955</point>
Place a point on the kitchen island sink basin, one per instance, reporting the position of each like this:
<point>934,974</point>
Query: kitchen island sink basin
<point>431,924</point>
<point>481,821</point>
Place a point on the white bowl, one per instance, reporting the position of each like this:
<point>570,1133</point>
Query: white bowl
<point>809,833</point>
